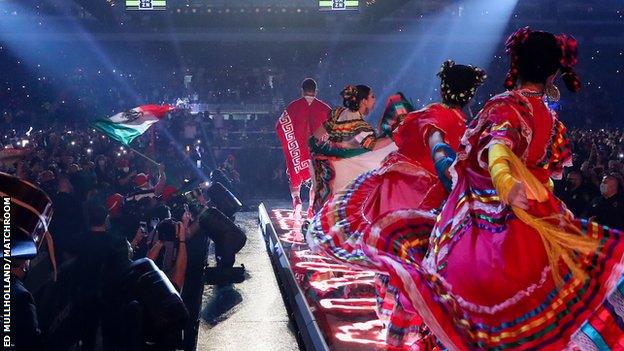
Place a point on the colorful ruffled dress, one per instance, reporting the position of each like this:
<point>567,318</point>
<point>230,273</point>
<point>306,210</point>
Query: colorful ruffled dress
<point>345,152</point>
<point>497,277</point>
<point>407,181</point>
<point>404,186</point>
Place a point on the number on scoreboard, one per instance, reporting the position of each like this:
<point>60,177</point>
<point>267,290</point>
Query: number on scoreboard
<point>146,4</point>
<point>338,5</point>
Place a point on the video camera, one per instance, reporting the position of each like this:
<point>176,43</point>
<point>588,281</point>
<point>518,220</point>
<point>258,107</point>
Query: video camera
<point>211,194</point>
<point>214,207</point>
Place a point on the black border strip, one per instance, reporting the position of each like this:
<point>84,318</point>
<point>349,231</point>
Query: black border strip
<point>309,332</point>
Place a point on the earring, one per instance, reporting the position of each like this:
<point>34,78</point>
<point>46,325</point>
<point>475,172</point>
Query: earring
<point>552,92</point>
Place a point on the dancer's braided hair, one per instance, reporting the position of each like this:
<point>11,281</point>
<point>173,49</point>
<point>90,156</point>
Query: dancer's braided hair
<point>537,55</point>
<point>458,83</point>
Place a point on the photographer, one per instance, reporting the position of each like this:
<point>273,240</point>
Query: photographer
<point>171,236</point>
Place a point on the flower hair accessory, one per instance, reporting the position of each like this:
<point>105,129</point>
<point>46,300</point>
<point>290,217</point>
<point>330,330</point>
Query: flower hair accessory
<point>444,68</point>
<point>459,97</point>
<point>349,93</point>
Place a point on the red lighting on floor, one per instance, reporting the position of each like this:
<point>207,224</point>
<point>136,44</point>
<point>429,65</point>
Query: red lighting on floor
<point>350,304</point>
<point>353,279</point>
<point>342,298</point>
<point>366,333</point>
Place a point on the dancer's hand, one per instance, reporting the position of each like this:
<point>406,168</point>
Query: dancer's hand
<point>517,196</point>
<point>382,142</point>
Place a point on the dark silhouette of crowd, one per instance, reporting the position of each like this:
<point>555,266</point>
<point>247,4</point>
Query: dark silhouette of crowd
<point>114,220</point>
<point>130,236</point>
<point>593,187</point>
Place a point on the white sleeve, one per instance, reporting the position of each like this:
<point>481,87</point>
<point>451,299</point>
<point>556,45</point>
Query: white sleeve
<point>361,136</point>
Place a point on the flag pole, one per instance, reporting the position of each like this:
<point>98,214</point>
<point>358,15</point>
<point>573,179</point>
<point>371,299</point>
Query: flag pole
<point>144,156</point>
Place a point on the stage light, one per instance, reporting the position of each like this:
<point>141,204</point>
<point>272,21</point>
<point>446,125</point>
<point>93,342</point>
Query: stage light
<point>89,151</point>
<point>73,143</point>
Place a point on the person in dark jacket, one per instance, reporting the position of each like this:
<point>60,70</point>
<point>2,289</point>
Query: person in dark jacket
<point>577,194</point>
<point>25,332</point>
<point>608,208</point>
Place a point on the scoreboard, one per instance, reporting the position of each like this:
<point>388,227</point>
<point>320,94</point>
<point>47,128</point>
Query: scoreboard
<point>338,5</point>
<point>146,4</point>
<point>324,5</point>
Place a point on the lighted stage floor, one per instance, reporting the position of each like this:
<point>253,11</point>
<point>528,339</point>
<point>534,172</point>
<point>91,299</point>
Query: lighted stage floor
<point>340,301</point>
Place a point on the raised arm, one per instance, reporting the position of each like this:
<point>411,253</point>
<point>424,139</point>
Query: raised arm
<point>179,272</point>
<point>162,180</point>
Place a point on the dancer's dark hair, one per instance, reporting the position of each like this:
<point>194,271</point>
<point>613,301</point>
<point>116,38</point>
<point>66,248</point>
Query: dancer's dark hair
<point>537,55</point>
<point>353,95</point>
<point>308,85</point>
<point>458,83</point>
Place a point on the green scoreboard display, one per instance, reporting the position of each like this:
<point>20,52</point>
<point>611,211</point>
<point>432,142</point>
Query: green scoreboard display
<point>146,4</point>
<point>338,5</point>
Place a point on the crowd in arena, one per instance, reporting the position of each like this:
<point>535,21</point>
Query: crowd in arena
<point>594,186</point>
<point>220,75</point>
<point>82,170</point>
<point>112,209</point>
<point>115,206</point>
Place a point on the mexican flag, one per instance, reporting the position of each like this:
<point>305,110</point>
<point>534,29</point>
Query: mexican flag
<point>127,126</point>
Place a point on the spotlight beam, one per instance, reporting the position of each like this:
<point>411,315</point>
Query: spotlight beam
<point>440,43</point>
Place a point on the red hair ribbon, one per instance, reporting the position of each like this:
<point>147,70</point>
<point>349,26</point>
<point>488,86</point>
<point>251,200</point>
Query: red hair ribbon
<point>569,59</point>
<point>511,45</point>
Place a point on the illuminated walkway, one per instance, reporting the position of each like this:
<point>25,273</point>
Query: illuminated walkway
<point>251,315</point>
<point>341,299</point>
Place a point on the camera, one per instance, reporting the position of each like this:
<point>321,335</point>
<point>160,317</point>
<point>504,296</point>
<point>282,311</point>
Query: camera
<point>193,195</point>
<point>167,230</point>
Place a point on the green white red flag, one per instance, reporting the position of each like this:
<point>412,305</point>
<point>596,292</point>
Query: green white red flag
<point>127,126</point>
